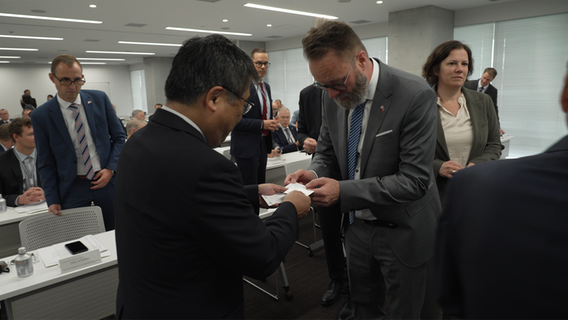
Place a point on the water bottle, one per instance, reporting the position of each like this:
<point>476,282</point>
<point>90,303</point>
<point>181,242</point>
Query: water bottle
<point>3,207</point>
<point>24,263</point>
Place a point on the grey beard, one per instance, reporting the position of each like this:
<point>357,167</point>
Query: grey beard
<point>356,96</point>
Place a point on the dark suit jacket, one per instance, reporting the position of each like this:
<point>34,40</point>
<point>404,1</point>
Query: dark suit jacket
<point>491,91</point>
<point>189,213</point>
<point>279,137</point>
<point>486,144</point>
<point>397,182</point>
<point>11,177</point>
<point>56,153</point>
<point>309,119</point>
<point>502,239</point>
<point>247,133</point>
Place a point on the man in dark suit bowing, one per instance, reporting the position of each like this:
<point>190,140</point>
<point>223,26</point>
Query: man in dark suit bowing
<point>78,138</point>
<point>6,141</point>
<point>251,140</point>
<point>378,135</point>
<point>189,210</point>
<point>286,137</point>
<point>502,240</point>
<point>19,179</point>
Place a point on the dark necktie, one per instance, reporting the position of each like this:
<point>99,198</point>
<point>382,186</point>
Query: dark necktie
<point>481,89</point>
<point>264,109</point>
<point>353,143</point>
<point>79,126</point>
<point>289,136</point>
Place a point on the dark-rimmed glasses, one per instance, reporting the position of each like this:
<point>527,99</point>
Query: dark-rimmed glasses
<point>261,64</point>
<point>247,106</point>
<point>67,82</point>
<point>336,87</point>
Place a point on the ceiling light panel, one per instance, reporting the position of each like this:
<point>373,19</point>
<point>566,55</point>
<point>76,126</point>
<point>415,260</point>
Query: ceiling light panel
<point>24,16</point>
<point>296,12</point>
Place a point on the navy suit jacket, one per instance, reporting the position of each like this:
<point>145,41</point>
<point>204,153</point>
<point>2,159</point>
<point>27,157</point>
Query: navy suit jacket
<point>279,137</point>
<point>208,240</point>
<point>56,153</point>
<point>11,177</point>
<point>502,240</point>
<point>247,133</point>
<point>309,119</point>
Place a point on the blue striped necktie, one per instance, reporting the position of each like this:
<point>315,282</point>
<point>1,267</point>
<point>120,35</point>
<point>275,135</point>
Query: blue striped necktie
<point>352,145</point>
<point>82,141</point>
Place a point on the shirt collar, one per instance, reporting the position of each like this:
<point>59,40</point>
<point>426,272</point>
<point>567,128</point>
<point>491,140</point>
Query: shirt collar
<point>186,119</point>
<point>64,104</point>
<point>22,156</point>
<point>374,80</point>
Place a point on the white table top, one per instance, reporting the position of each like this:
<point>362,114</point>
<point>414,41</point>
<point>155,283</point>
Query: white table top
<point>287,158</point>
<point>12,216</point>
<point>11,285</point>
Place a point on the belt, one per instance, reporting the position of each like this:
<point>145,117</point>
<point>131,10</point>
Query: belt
<point>380,223</point>
<point>81,176</point>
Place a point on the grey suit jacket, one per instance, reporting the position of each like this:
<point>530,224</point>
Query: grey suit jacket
<point>397,182</point>
<point>486,138</point>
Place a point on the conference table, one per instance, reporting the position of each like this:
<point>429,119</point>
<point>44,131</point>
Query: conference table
<point>86,293</point>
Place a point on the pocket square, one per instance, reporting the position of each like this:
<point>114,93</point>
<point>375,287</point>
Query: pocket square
<point>383,133</point>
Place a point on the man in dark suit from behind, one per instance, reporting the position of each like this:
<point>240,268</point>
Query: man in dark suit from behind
<point>309,123</point>
<point>251,140</point>
<point>484,85</point>
<point>286,137</point>
<point>19,179</point>
<point>189,210</point>
<point>502,240</point>
<point>5,141</point>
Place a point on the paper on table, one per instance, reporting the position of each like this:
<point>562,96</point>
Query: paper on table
<point>33,208</point>
<point>52,254</point>
<point>279,197</point>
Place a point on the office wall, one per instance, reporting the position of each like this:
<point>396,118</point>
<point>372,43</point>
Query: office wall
<point>114,80</point>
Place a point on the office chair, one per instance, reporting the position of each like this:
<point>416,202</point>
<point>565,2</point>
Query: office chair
<point>47,229</point>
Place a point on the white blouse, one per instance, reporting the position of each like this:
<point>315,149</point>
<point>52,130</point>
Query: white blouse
<point>457,131</point>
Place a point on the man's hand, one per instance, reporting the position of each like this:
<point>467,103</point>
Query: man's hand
<point>300,201</point>
<point>300,176</point>
<point>276,152</point>
<point>448,168</point>
<point>101,179</point>
<point>271,125</point>
<point>326,191</point>
<point>269,189</point>
<point>310,145</point>
<point>31,195</point>
<point>55,209</point>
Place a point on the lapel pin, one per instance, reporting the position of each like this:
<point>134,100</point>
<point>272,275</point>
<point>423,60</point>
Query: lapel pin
<point>383,108</point>
<point>89,102</point>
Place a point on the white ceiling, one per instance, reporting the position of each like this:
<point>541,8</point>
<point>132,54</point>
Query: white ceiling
<point>156,15</point>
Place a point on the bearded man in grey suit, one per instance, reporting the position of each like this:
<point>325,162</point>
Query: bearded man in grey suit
<point>384,161</point>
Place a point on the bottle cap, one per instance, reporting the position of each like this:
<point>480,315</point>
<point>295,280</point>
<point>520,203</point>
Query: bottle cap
<point>22,250</point>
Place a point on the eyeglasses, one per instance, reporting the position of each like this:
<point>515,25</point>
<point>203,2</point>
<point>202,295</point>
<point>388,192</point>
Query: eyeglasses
<point>67,82</point>
<point>336,87</point>
<point>247,106</point>
<point>261,64</point>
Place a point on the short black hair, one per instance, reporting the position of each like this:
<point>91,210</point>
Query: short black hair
<point>202,63</point>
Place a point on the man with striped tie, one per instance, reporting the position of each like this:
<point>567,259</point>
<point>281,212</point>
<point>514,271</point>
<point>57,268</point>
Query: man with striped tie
<point>78,139</point>
<point>374,158</point>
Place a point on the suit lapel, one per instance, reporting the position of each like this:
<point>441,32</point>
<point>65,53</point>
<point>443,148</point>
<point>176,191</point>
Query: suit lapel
<point>475,114</point>
<point>57,118</point>
<point>87,102</point>
<point>16,169</point>
<point>379,109</point>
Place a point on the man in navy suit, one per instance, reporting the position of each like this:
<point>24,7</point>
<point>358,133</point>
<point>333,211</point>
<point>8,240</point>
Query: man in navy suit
<point>19,183</point>
<point>286,137</point>
<point>251,140</point>
<point>502,240</point>
<point>79,139</point>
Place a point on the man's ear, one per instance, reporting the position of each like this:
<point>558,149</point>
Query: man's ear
<point>213,98</point>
